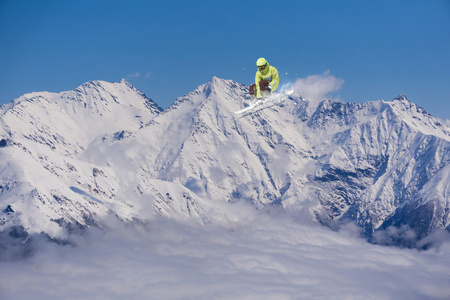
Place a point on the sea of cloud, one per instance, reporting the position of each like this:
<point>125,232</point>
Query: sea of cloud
<point>265,254</point>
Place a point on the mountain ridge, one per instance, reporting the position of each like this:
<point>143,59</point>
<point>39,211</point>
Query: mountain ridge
<point>372,163</point>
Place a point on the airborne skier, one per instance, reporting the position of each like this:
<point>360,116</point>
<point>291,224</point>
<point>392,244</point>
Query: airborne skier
<point>266,80</point>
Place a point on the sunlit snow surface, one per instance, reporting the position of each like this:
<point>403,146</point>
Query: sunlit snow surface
<point>259,255</point>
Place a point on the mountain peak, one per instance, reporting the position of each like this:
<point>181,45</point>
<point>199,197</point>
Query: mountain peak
<point>403,104</point>
<point>215,79</point>
<point>401,98</point>
<point>70,120</point>
<point>216,89</point>
<point>418,118</point>
<point>99,92</point>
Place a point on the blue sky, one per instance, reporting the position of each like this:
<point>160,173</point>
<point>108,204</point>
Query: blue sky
<point>378,49</point>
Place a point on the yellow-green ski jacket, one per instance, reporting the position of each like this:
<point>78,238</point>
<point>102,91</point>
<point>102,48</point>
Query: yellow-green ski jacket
<point>270,74</point>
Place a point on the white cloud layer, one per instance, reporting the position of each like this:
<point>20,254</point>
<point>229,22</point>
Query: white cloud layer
<point>262,255</point>
<point>317,87</point>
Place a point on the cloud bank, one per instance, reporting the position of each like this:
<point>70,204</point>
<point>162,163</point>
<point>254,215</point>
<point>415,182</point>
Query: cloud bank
<point>260,255</point>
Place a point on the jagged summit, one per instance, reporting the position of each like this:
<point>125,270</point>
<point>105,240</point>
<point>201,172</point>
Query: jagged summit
<point>215,89</point>
<point>418,118</point>
<point>115,92</point>
<point>401,97</point>
<point>69,121</point>
<point>75,157</point>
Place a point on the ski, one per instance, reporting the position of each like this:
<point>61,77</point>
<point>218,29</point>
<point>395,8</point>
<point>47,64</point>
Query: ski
<point>274,99</point>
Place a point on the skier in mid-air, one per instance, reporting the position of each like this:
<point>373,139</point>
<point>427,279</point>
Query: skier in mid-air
<point>266,81</point>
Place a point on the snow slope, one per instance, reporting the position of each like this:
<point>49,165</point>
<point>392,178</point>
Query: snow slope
<point>77,156</point>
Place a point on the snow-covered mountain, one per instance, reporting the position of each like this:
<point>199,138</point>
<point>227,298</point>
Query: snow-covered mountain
<point>71,159</point>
